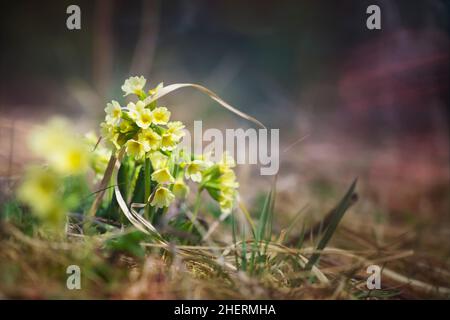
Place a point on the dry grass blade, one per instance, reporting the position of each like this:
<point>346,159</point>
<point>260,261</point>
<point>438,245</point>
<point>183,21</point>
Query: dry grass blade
<point>102,187</point>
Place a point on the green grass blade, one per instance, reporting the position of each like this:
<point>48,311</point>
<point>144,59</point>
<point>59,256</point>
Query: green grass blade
<point>336,217</point>
<point>264,217</point>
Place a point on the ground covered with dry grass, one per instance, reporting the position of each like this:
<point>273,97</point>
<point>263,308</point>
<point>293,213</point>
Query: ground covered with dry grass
<point>117,265</point>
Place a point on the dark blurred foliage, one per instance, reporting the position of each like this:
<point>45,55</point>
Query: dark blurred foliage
<point>274,59</point>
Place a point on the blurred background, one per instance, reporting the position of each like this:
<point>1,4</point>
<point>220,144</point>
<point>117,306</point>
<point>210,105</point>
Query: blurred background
<point>349,102</point>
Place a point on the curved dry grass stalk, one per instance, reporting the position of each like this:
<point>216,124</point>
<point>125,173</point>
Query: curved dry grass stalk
<point>173,87</point>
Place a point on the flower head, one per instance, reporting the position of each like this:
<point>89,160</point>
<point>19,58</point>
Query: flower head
<point>194,170</point>
<point>134,85</point>
<point>163,197</point>
<point>220,182</point>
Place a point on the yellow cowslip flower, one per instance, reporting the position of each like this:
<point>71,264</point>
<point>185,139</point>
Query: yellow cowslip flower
<point>194,170</point>
<point>150,139</point>
<point>40,191</point>
<point>109,132</point>
<point>220,181</point>
<point>176,129</point>
<point>144,119</point>
<point>169,142</point>
<point>154,91</point>
<point>226,204</point>
<point>161,115</point>
<point>163,197</point>
<point>134,85</point>
<point>158,160</point>
<point>162,176</point>
<point>228,186</point>
<point>113,112</point>
<point>125,126</point>
<point>180,189</point>
<point>135,149</point>
<point>228,178</point>
<point>135,109</point>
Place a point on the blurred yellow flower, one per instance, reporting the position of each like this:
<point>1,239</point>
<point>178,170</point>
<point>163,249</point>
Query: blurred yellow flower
<point>180,189</point>
<point>228,178</point>
<point>109,132</point>
<point>44,140</point>
<point>71,158</point>
<point>99,154</point>
<point>40,191</point>
<point>162,176</point>
<point>150,139</point>
<point>194,170</point>
<point>113,112</point>
<point>163,197</point>
<point>161,115</point>
<point>59,145</point>
<point>134,85</point>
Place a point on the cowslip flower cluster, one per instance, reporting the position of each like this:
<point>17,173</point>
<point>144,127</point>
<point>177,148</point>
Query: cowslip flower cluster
<point>147,132</point>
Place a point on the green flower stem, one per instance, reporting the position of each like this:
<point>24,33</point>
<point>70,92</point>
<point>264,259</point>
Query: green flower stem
<point>147,181</point>
<point>196,208</point>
